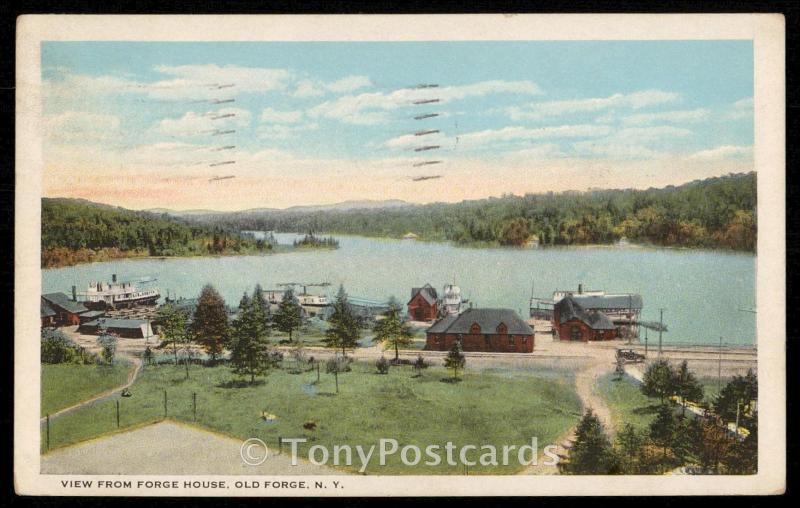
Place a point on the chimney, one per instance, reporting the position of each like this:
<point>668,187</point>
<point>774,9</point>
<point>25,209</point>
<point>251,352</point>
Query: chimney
<point>580,289</point>
<point>74,294</point>
<point>113,277</point>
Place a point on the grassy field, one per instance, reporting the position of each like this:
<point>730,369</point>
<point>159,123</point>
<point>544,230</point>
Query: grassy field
<point>482,409</point>
<point>66,384</point>
<point>626,401</point>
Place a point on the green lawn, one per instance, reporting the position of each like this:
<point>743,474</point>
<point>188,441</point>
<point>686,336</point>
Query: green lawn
<point>626,401</point>
<point>66,384</point>
<point>482,409</point>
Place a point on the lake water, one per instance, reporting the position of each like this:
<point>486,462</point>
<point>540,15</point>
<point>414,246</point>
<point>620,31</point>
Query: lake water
<point>701,291</point>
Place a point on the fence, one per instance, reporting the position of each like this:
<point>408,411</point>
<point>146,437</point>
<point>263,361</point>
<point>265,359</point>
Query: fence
<point>115,413</point>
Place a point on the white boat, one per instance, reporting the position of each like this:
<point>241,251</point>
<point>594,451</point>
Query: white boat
<point>451,301</point>
<point>274,297</point>
<point>116,295</point>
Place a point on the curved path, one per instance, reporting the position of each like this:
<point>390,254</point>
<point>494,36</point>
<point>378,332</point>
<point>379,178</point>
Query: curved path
<point>137,368</point>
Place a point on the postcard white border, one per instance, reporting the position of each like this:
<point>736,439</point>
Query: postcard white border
<point>767,32</point>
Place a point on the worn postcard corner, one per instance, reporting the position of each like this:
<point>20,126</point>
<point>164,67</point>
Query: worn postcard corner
<point>377,255</point>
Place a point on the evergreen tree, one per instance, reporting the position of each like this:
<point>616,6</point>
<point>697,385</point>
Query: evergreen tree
<point>629,442</point>
<point>455,359</point>
<point>742,457</point>
<point>289,314</point>
<point>591,453</point>
<point>687,387</point>
<point>258,296</point>
<point>344,327</point>
<point>714,445</point>
<point>659,380</point>
<point>663,428</point>
<point>393,329</point>
<point>739,395</point>
<point>210,324</point>
<point>173,331</point>
<point>249,344</point>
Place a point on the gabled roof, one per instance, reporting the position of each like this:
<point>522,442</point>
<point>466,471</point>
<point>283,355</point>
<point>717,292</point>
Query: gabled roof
<point>427,292</point>
<point>45,309</point>
<point>568,309</point>
<point>116,323</point>
<point>631,301</point>
<point>487,319</point>
<point>63,301</point>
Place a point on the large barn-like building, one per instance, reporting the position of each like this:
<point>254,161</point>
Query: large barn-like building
<point>126,328</point>
<point>573,322</point>
<point>424,304</point>
<point>494,330</point>
<point>56,309</point>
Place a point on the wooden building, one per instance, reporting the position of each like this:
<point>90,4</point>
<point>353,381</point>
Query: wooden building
<point>424,304</point>
<point>493,330</point>
<point>575,323</point>
<point>57,309</point>
<point>126,328</point>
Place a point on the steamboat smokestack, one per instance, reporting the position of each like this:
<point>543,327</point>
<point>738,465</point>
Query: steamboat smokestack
<point>113,277</point>
<point>74,294</point>
<point>580,289</point>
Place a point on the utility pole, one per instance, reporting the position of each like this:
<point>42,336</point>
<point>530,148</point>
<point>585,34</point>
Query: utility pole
<point>660,329</point>
<point>645,341</point>
<point>719,368</point>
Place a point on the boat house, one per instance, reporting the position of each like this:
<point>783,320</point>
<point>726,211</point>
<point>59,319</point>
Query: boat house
<point>424,304</point>
<point>492,330</point>
<point>573,322</point>
<point>56,309</point>
<point>126,328</point>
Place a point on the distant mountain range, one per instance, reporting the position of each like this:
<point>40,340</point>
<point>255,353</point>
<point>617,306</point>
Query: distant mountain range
<point>343,206</point>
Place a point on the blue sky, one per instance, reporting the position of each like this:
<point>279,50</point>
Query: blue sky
<point>321,122</point>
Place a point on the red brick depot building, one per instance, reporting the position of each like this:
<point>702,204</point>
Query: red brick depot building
<point>575,323</point>
<point>490,330</point>
<point>424,304</point>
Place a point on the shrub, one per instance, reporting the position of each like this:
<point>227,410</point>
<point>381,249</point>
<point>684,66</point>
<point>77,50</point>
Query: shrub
<point>383,365</point>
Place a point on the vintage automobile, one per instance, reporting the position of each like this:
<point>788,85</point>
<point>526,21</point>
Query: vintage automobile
<point>629,356</point>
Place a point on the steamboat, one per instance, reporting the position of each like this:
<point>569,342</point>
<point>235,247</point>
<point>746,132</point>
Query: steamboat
<point>119,294</point>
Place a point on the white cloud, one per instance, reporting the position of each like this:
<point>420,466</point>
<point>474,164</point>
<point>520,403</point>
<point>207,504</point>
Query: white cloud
<point>635,100</point>
<point>81,126</point>
<point>271,115</point>
<point>511,134</point>
<point>683,116</point>
<point>193,123</point>
<point>183,82</point>
<point>279,131</point>
<point>372,108</point>
<point>741,109</point>
<point>723,152</point>
<point>349,84</point>
<point>307,88</point>
<point>506,135</point>
<point>633,142</point>
<point>204,81</point>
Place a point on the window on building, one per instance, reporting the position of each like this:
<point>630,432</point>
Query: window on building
<point>511,340</point>
<point>475,328</point>
<point>502,329</point>
<point>575,333</point>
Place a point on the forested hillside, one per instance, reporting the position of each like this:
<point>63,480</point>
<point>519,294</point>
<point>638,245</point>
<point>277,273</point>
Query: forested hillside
<point>76,231</point>
<point>716,212</point>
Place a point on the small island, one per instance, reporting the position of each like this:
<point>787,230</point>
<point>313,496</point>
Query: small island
<point>311,241</point>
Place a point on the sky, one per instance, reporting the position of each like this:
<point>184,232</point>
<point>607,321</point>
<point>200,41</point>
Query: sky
<point>232,126</point>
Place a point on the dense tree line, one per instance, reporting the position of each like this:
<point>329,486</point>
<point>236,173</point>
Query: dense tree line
<point>715,212</point>
<point>674,438</point>
<point>75,231</point>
